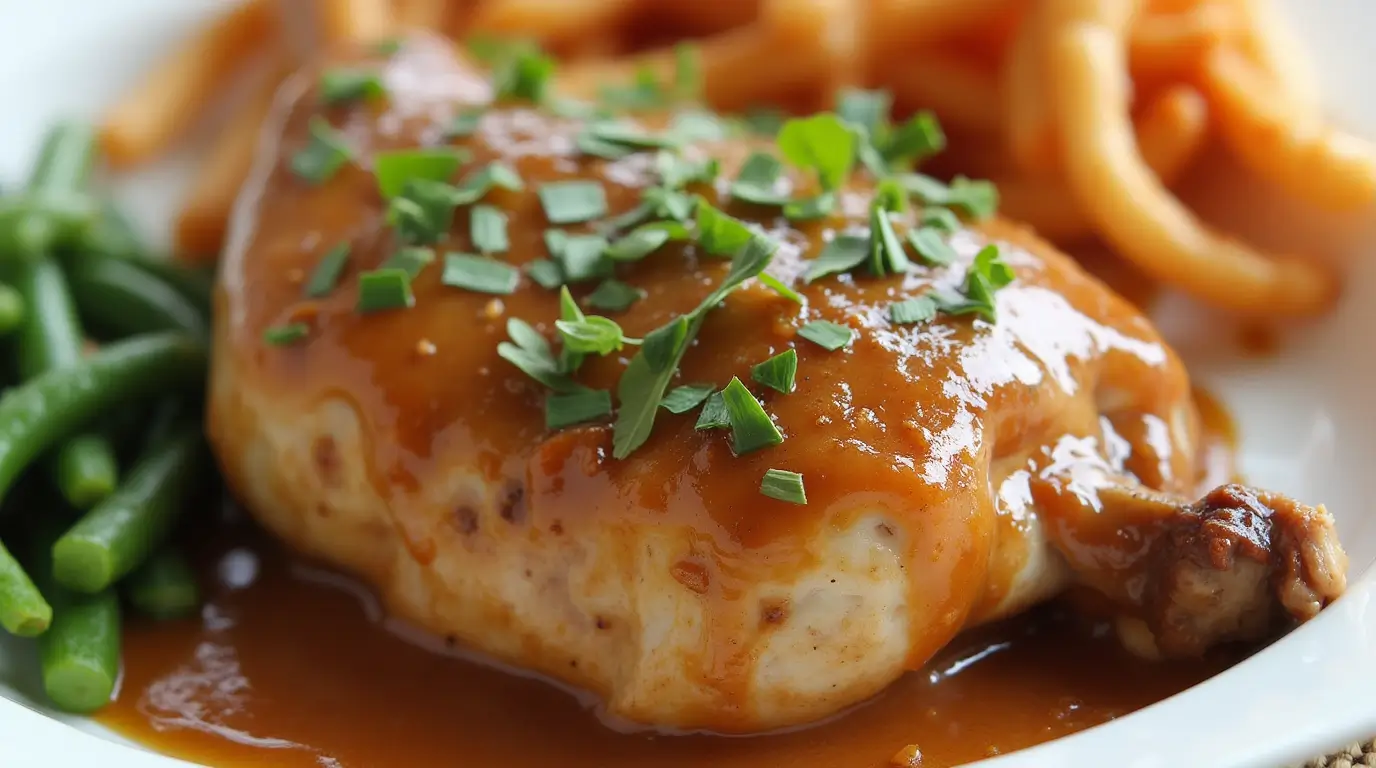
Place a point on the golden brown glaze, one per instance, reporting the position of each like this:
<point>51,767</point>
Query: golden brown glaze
<point>401,447</point>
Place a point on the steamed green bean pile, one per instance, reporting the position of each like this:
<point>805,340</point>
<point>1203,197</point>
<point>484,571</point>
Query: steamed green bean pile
<point>101,446</point>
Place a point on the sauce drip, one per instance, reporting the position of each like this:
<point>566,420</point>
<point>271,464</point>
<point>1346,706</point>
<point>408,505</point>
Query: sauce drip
<point>289,666</point>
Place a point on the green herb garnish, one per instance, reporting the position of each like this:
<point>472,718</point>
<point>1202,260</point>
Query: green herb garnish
<point>583,405</point>
<point>570,202</point>
<point>409,260</point>
<point>911,311</point>
<point>464,124</point>
<point>530,352</point>
<point>758,179</point>
<point>524,73</point>
<point>713,415</point>
<point>778,286</point>
<point>784,486</point>
<point>647,376</point>
<point>394,168</point>
<point>487,227</point>
<point>867,109</point>
<point>930,246</point>
<point>914,141</point>
<point>697,125</point>
<point>826,334</point>
<point>942,219</point>
<point>751,427</point>
<point>545,273</point>
<point>687,72</point>
<point>886,252</point>
<point>423,211</point>
<point>639,243</point>
<point>821,143</point>
<point>977,199</point>
<point>340,85</point>
<point>719,233</point>
<point>591,335</point>
<point>476,273</point>
<point>777,372</point>
<point>988,273</point>
<point>327,271</point>
<point>810,208</point>
<point>581,256</point>
<point>494,175</point>
<point>384,289</point>
<point>285,335</point>
<point>614,296</point>
<point>323,156</point>
<point>844,253</point>
<point>685,398</point>
<point>677,172</point>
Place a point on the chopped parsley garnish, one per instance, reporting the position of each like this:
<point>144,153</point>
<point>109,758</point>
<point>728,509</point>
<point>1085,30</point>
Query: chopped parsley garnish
<point>758,180</point>
<point>669,204</point>
<point>713,415</point>
<point>327,271</point>
<point>545,273</point>
<point>718,233</point>
<point>423,212</point>
<point>480,274</point>
<point>340,85</point>
<point>867,109</point>
<point>487,226</point>
<point>590,335</point>
<point>631,137</point>
<point>491,176</point>
<point>409,260</point>
<point>384,289</point>
<point>322,158</point>
<point>784,486</point>
<point>751,427</point>
<point>647,376</point>
<point>685,398</point>
<point>821,143</point>
<point>571,202</point>
<point>988,273</point>
<point>826,334</point>
<point>890,195</point>
<point>687,72</point>
<point>614,296</point>
<point>697,125</point>
<point>886,252</point>
<point>530,352</point>
<point>930,246</point>
<point>524,73</point>
<point>395,168</point>
<point>577,407</point>
<point>810,208</point>
<point>914,141</point>
<point>285,335</point>
<point>911,311</point>
<point>580,256</point>
<point>778,286</point>
<point>943,219</point>
<point>642,93</point>
<point>977,199</point>
<point>677,172</point>
<point>464,124</point>
<point>638,243</point>
<point>777,372</point>
<point>844,253</point>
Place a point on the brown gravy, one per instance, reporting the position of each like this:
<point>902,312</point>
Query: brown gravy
<point>286,667</point>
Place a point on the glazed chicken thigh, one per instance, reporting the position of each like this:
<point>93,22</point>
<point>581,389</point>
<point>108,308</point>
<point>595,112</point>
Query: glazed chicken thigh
<point>957,470</point>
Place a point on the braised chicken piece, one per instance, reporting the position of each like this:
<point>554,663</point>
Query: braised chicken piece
<point>956,468</point>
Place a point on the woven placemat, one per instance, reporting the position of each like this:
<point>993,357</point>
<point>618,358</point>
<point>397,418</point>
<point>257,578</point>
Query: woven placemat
<point>1352,756</point>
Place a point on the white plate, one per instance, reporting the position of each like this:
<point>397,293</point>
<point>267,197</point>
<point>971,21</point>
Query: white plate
<point>1307,416</point>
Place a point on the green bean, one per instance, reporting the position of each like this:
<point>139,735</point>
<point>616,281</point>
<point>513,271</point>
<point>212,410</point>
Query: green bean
<point>113,236</point>
<point>40,412</point>
<point>164,587</point>
<point>84,467</point>
<point>12,309</point>
<point>123,298</point>
<point>52,202</point>
<point>117,535</point>
<point>23,611</point>
<point>79,654</point>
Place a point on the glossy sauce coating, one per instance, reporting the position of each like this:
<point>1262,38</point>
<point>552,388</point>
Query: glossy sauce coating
<point>917,426</point>
<point>289,667</point>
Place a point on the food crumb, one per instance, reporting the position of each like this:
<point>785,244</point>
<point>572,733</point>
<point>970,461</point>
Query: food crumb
<point>295,276</point>
<point>425,348</point>
<point>494,309</point>
<point>907,757</point>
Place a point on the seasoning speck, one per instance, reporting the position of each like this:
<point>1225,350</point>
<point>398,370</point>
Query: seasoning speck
<point>425,348</point>
<point>494,309</point>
